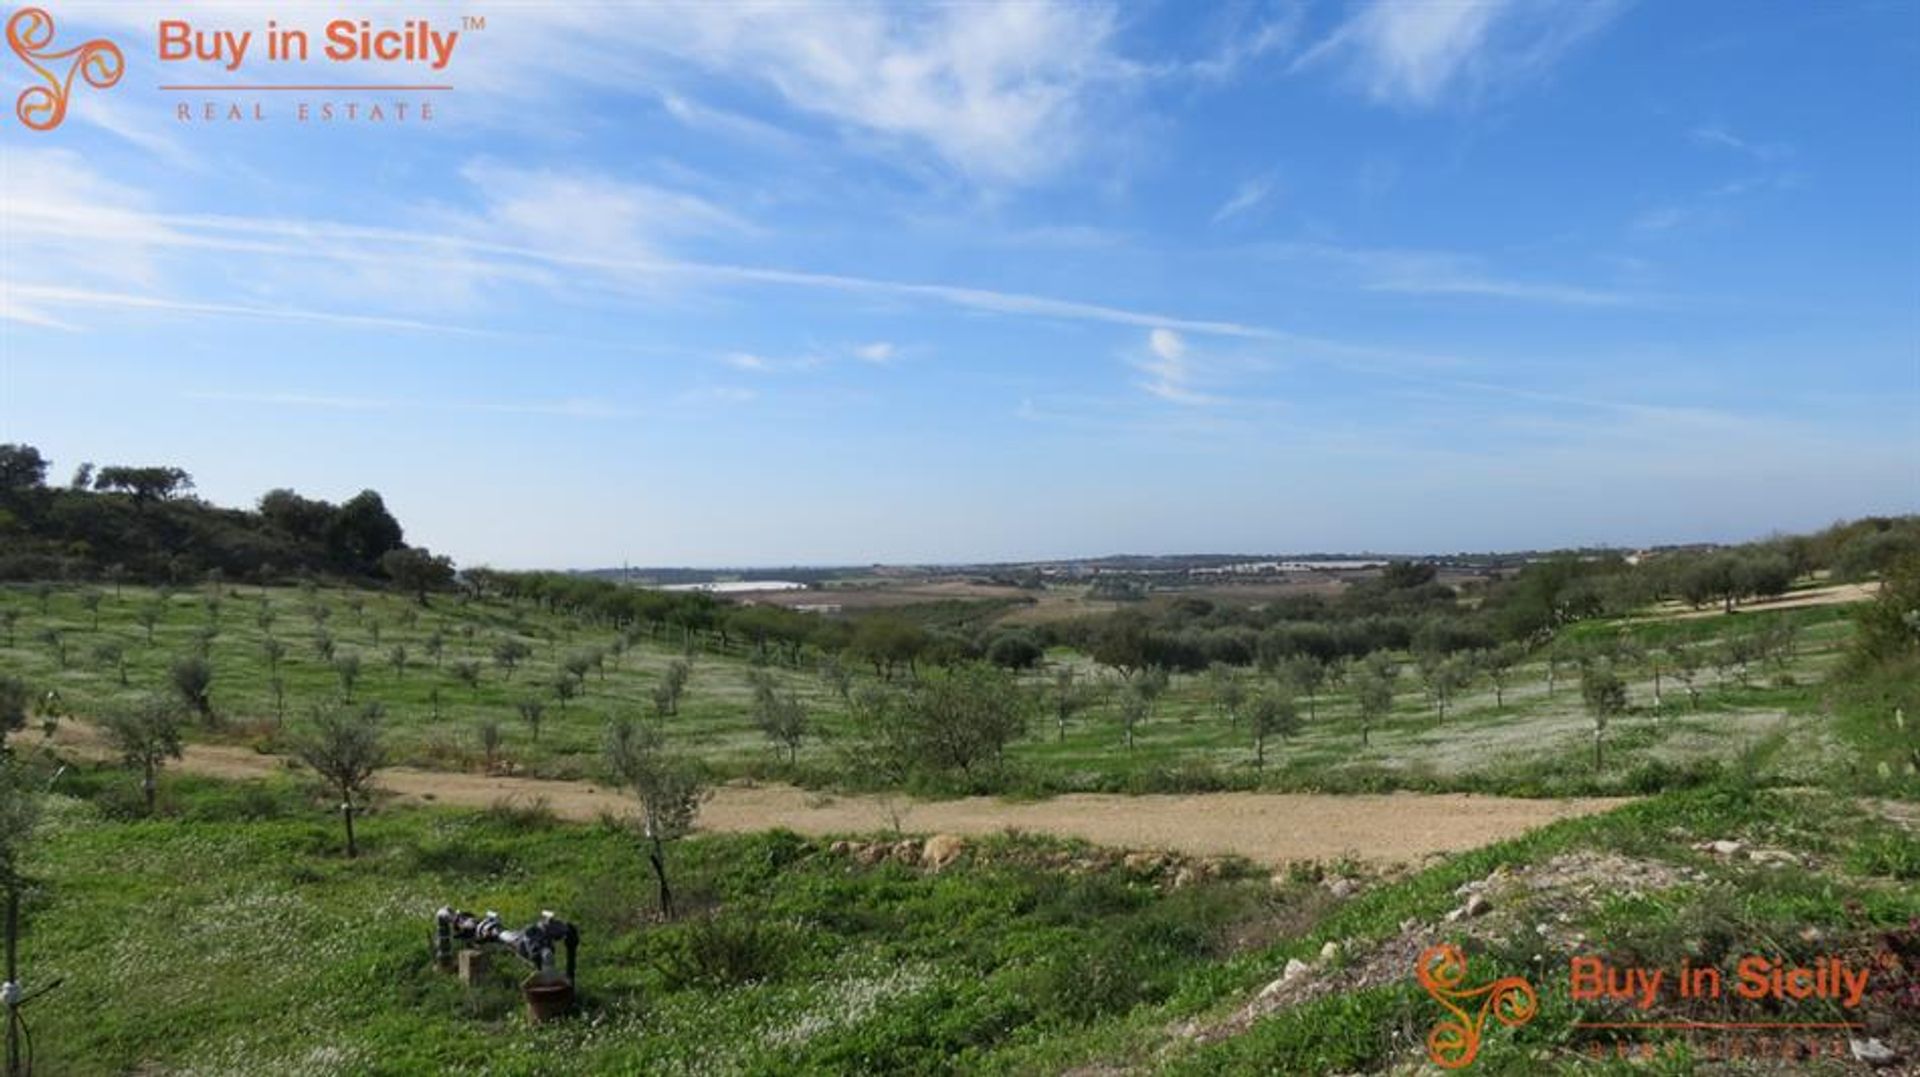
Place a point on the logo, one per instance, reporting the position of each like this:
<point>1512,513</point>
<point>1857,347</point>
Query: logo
<point>30,36</point>
<point>1453,1043</point>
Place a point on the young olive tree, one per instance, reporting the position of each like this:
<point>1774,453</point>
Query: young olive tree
<point>1498,664</point>
<point>1065,698</point>
<point>192,678</point>
<point>347,668</point>
<point>490,740</point>
<point>1306,675</point>
<point>1272,715</point>
<point>146,733</point>
<point>1373,691</point>
<point>673,685</point>
<point>1134,708</point>
<point>342,745</point>
<point>782,717</point>
<point>669,789</point>
<point>1605,696</point>
<point>533,712</point>
<point>1228,692</point>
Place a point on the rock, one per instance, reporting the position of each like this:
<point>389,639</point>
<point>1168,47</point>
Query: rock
<point>1296,968</point>
<point>870,854</point>
<point>1184,878</point>
<point>1873,1052</point>
<point>1330,952</point>
<point>1477,905</point>
<point>840,848</point>
<point>1272,989</point>
<point>1142,863</point>
<point>1342,887</point>
<point>1777,858</point>
<point>941,851</point>
<point>1724,848</point>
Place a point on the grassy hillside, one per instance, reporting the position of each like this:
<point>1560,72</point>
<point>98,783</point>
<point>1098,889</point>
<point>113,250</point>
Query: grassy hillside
<point>230,937</point>
<point>81,643</point>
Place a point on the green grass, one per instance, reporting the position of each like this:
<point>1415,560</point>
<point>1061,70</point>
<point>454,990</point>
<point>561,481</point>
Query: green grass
<point>229,936</point>
<point>1531,744</point>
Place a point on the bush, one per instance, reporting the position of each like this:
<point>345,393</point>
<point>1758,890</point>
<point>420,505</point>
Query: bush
<point>723,950</point>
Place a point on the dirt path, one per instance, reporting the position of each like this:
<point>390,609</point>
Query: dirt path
<point>1269,828</point>
<point>1835,595</point>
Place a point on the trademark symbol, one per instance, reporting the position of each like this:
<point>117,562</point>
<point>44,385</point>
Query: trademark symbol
<point>473,22</point>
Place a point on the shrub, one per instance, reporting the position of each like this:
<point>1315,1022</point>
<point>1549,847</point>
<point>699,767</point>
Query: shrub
<point>723,950</point>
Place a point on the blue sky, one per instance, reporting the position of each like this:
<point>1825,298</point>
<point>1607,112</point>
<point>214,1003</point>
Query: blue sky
<point>724,283</point>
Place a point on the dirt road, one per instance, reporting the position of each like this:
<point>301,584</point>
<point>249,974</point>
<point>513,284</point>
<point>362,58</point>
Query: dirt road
<point>1269,828</point>
<point>1838,594</point>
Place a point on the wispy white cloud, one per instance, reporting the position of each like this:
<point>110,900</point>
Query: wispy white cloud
<point>1443,273</point>
<point>576,408</point>
<point>1715,135</point>
<point>39,296</point>
<point>999,91</point>
<point>763,364</point>
<point>1170,374</point>
<point>1251,195</point>
<point>1418,53</point>
<point>879,351</point>
<point>1247,36</point>
<point>529,231</point>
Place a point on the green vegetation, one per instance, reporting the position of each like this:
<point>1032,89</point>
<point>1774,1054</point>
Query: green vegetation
<point>1778,753</point>
<point>176,935</point>
<point>490,683</point>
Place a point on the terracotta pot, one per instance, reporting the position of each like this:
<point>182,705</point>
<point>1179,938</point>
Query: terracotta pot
<point>547,1000</point>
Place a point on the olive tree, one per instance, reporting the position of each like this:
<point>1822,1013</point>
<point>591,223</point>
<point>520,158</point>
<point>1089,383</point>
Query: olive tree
<point>1134,707</point>
<point>108,654</point>
<point>192,678</point>
<point>1373,691</point>
<point>490,739</point>
<point>1605,696</point>
<point>347,668</point>
<point>1271,715</point>
<point>669,789</point>
<point>148,615</point>
<point>673,685</point>
<point>533,712</point>
<point>509,653</point>
<point>1227,691</point>
<point>342,745</point>
<point>1498,664</point>
<point>960,719</point>
<point>781,716</point>
<point>1306,675</point>
<point>1065,698</point>
<point>146,733</point>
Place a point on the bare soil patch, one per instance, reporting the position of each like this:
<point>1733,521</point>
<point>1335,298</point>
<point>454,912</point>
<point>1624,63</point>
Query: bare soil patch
<point>1267,828</point>
<point>1837,595</point>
